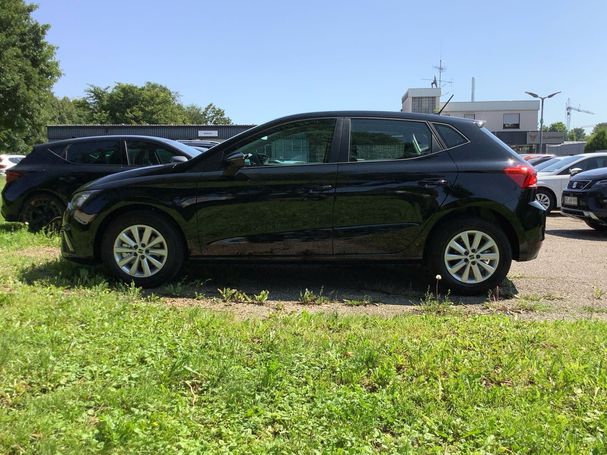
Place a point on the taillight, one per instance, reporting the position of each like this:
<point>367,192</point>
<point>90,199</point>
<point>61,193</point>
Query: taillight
<point>524,176</point>
<point>11,176</point>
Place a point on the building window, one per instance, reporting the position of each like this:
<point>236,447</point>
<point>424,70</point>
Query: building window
<point>512,121</point>
<point>423,104</point>
<point>471,116</point>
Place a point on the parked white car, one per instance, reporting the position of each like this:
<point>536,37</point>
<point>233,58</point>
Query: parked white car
<point>8,161</point>
<point>553,179</point>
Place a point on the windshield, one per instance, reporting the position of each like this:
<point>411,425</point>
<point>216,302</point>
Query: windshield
<point>560,164</point>
<point>186,148</point>
<point>543,165</point>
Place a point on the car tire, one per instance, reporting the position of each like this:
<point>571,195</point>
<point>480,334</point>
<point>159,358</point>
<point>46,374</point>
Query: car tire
<point>455,254</point>
<point>42,212</point>
<point>546,198</point>
<point>596,225</point>
<point>144,248</point>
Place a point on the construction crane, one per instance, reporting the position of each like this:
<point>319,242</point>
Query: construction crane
<point>570,108</point>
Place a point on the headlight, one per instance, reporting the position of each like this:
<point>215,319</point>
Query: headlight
<point>79,199</point>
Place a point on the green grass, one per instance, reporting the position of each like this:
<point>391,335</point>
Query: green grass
<point>91,366</point>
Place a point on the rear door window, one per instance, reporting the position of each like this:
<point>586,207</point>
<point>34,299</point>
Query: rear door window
<point>379,139</point>
<point>100,153</point>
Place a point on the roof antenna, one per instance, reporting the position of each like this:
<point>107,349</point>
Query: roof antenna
<point>444,105</point>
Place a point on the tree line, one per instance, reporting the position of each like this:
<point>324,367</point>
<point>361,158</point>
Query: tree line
<point>596,141</point>
<point>131,104</point>
<point>29,69</point>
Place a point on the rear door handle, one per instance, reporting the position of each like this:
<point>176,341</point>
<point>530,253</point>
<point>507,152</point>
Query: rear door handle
<point>432,183</point>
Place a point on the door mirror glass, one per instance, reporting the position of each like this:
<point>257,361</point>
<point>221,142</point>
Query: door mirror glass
<point>178,159</point>
<point>575,170</point>
<point>233,162</point>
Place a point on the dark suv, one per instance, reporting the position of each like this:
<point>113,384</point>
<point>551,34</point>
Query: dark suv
<point>39,187</point>
<point>586,198</point>
<point>331,186</point>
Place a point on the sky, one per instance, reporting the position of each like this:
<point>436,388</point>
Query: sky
<point>263,59</point>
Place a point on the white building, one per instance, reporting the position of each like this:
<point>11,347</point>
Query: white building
<point>514,122</point>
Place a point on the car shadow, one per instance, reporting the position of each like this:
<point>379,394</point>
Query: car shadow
<point>12,227</point>
<point>578,234</point>
<point>381,284</point>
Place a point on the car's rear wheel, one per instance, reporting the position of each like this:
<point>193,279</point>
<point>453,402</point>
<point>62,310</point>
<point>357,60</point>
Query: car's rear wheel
<point>596,225</point>
<point>144,248</point>
<point>471,255</point>
<point>546,198</point>
<point>42,212</point>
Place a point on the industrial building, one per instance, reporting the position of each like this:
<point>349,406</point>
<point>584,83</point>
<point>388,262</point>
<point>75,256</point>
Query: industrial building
<point>205,132</point>
<point>514,122</point>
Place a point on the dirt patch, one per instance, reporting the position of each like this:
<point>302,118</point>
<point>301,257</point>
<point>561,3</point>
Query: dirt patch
<point>46,252</point>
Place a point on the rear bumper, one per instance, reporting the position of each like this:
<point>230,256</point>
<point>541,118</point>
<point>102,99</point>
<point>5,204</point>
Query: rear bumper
<point>9,210</point>
<point>533,220</point>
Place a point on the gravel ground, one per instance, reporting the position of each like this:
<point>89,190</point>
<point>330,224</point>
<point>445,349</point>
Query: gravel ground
<point>568,280</point>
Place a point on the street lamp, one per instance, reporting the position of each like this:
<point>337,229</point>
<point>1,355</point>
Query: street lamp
<point>535,95</point>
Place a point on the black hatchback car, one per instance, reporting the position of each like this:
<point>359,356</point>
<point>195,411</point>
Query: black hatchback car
<point>39,187</point>
<point>586,198</point>
<point>332,186</point>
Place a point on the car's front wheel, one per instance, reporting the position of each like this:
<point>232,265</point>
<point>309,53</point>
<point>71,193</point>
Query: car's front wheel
<point>471,255</point>
<point>144,248</point>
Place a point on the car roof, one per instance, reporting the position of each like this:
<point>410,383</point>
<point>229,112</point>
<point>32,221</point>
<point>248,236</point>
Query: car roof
<point>105,137</point>
<point>379,114</point>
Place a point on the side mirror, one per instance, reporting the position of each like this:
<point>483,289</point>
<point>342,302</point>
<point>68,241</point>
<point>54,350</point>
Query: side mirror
<point>233,162</point>
<point>178,159</point>
<point>575,170</point>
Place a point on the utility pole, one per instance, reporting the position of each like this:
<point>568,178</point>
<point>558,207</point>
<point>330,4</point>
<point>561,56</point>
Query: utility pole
<point>542,113</point>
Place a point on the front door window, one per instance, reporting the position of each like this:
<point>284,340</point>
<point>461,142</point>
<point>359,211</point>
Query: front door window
<point>307,142</point>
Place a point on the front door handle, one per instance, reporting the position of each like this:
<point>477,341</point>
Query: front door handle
<point>319,192</point>
<point>432,183</point>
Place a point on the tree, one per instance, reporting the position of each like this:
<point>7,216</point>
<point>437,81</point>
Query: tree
<point>598,141</point>
<point>210,115</point>
<point>557,127</point>
<point>129,104</point>
<point>65,111</point>
<point>598,127</point>
<point>28,70</point>
<point>577,134</point>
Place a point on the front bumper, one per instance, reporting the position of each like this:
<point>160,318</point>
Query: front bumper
<point>589,205</point>
<point>77,238</point>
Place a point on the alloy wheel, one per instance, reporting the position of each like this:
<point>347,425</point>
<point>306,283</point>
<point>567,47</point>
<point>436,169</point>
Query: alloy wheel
<point>140,251</point>
<point>471,257</point>
<point>543,199</point>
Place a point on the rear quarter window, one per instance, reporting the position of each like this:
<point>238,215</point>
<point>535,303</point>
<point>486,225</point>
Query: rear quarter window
<point>451,137</point>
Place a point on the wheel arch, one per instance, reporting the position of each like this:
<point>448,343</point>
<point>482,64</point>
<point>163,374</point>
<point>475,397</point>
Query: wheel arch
<point>39,192</point>
<point>118,212</point>
<point>484,213</point>
<point>551,192</point>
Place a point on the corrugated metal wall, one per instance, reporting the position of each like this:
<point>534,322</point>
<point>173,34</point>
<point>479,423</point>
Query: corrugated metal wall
<point>58,132</point>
